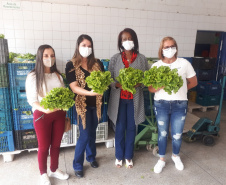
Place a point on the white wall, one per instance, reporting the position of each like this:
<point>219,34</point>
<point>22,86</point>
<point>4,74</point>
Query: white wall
<point>51,22</point>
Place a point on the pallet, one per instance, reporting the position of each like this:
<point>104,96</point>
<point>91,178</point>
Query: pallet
<point>9,156</point>
<point>192,106</point>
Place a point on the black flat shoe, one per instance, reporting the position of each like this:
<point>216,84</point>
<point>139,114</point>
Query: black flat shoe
<point>79,174</point>
<point>94,164</point>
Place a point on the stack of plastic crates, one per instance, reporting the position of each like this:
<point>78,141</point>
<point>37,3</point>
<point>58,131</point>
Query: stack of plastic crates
<point>25,136</point>
<point>208,90</point>
<point>6,126</point>
<point>205,68</point>
<point>209,93</point>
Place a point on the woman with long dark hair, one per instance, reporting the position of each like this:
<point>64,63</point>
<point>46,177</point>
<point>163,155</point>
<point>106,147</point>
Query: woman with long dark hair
<point>126,110</point>
<point>87,103</point>
<point>49,125</point>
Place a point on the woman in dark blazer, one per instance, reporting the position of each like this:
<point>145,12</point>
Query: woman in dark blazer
<point>126,110</point>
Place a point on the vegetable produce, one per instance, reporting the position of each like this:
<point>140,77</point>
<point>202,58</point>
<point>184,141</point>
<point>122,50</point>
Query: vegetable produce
<point>27,112</point>
<point>12,56</point>
<point>65,79</point>
<point>60,98</point>
<point>28,56</point>
<point>2,36</point>
<point>63,75</point>
<point>163,76</point>
<point>151,61</point>
<point>129,77</point>
<point>21,58</point>
<point>99,81</point>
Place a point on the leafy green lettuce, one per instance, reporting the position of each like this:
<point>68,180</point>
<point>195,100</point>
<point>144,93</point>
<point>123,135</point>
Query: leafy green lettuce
<point>2,36</point>
<point>163,76</point>
<point>60,98</point>
<point>99,81</point>
<point>129,77</point>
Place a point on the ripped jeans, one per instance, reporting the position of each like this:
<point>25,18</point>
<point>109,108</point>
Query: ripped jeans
<point>166,113</point>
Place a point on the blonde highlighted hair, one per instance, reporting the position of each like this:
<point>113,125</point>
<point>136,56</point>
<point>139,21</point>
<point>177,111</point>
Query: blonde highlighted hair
<point>162,44</point>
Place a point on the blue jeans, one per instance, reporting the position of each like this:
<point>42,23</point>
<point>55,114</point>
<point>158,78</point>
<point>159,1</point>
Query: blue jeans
<point>125,131</point>
<point>87,139</point>
<point>174,113</point>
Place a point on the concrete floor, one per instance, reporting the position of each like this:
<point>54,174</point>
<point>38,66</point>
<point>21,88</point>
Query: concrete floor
<point>203,165</point>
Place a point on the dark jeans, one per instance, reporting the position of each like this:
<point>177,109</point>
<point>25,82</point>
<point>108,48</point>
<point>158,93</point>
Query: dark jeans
<point>87,139</point>
<point>49,130</point>
<point>125,130</point>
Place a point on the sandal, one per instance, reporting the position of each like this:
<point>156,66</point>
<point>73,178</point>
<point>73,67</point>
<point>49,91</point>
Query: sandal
<point>129,163</point>
<point>118,163</point>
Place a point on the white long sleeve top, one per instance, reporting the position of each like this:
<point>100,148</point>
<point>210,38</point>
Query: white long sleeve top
<point>52,81</point>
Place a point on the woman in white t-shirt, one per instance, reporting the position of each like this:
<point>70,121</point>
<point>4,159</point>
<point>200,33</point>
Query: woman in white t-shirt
<point>172,109</point>
<point>49,125</point>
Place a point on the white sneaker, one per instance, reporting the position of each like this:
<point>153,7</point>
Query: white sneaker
<point>59,174</point>
<point>178,163</point>
<point>45,179</point>
<point>159,166</point>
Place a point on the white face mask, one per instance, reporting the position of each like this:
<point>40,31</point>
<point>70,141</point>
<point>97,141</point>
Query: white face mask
<point>128,45</point>
<point>169,52</point>
<point>49,62</point>
<point>85,51</point>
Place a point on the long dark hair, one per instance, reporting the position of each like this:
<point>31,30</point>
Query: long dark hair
<point>39,69</point>
<point>134,38</point>
<point>77,58</point>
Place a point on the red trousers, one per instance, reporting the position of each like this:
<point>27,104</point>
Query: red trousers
<point>49,130</point>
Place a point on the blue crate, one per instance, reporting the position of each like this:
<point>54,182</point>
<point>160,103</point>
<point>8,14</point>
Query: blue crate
<point>70,114</point>
<point>105,63</point>
<point>23,119</point>
<point>208,100</point>
<point>5,98</point>
<point>18,73</point>
<point>189,59</point>
<point>6,123</point>
<point>19,98</point>
<point>4,81</point>
<point>6,141</point>
<point>206,75</point>
<point>209,87</point>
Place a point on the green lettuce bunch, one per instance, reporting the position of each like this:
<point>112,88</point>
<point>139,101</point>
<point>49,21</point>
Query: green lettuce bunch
<point>163,76</point>
<point>2,36</point>
<point>129,77</point>
<point>60,98</point>
<point>99,81</point>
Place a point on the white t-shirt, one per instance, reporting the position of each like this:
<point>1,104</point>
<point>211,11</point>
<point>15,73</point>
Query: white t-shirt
<point>185,70</point>
<point>52,81</point>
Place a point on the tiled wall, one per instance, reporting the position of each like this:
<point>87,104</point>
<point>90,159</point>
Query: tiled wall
<point>59,25</point>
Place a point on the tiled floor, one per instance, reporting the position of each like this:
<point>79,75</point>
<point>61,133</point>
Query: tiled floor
<point>204,165</point>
